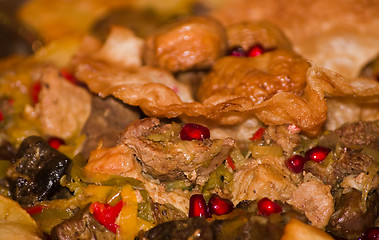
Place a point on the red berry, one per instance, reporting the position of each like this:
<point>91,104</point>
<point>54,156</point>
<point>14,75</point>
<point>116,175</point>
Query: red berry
<point>317,154</point>
<point>295,163</point>
<point>237,52</point>
<point>192,131</point>
<point>267,207</point>
<point>34,92</point>
<point>198,207</point>
<point>255,51</point>
<point>372,234</point>
<point>219,206</point>
<point>55,142</point>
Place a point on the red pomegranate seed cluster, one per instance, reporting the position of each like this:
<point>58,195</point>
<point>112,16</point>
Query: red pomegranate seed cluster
<point>317,154</point>
<point>193,131</point>
<point>216,205</point>
<point>267,207</point>
<point>254,51</point>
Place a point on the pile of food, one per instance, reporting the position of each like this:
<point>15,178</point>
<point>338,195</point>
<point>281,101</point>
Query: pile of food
<point>142,124</point>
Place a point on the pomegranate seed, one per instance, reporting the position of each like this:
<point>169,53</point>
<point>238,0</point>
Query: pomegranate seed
<point>219,206</point>
<point>1,117</point>
<point>267,207</point>
<point>68,76</point>
<point>55,142</point>
<point>198,207</point>
<point>295,163</point>
<point>34,91</point>
<point>237,52</point>
<point>255,51</point>
<point>371,234</point>
<point>317,154</point>
<point>192,131</point>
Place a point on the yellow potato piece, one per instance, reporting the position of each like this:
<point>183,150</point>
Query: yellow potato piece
<point>15,222</point>
<point>297,230</point>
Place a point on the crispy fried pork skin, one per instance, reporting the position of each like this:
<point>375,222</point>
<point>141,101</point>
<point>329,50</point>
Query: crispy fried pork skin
<point>264,33</point>
<point>257,78</point>
<point>190,43</point>
<point>168,157</point>
<point>36,173</point>
<point>339,35</point>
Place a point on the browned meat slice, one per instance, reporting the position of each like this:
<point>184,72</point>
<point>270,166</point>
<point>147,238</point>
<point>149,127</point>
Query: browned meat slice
<point>59,96</point>
<point>107,119</point>
<point>82,226</point>
<point>191,43</point>
<point>349,221</point>
<point>165,156</point>
<point>349,162</point>
<point>315,199</point>
<point>354,134</point>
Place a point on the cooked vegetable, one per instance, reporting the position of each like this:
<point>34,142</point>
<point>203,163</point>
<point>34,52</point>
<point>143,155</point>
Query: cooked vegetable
<point>36,172</point>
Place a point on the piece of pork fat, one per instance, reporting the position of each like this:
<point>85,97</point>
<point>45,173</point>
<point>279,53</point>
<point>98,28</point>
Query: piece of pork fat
<point>166,157</point>
<point>315,199</point>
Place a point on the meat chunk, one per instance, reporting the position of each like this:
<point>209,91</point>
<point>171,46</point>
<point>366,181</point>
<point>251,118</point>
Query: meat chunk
<point>315,199</point>
<point>256,78</point>
<point>191,43</point>
<point>121,161</point>
<point>354,134</point>
<point>165,156</point>
<point>82,226</point>
<point>107,119</point>
<point>36,173</point>
<point>59,96</point>
<point>248,34</point>
<point>349,221</point>
<point>7,150</point>
<point>282,136</point>
<point>349,162</point>
<point>256,180</point>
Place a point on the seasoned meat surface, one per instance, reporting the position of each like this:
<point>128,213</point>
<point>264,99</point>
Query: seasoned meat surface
<point>36,173</point>
<point>165,156</point>
<point>107,119</point>
<point>191,43</point>
<point>350,162</point>
<point>355,134</point>
<point>82,226</point>
<point>349,220</point>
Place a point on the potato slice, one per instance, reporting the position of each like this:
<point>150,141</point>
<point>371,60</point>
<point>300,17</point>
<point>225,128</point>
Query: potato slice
<point>15,222</point>
<point>297,230</point>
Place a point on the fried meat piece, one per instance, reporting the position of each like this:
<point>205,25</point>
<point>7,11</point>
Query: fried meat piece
<point>59,96</point>
<point>166,157</point>
<point>191,43</point>
<point>256,78</point>
<point>264,33</point>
